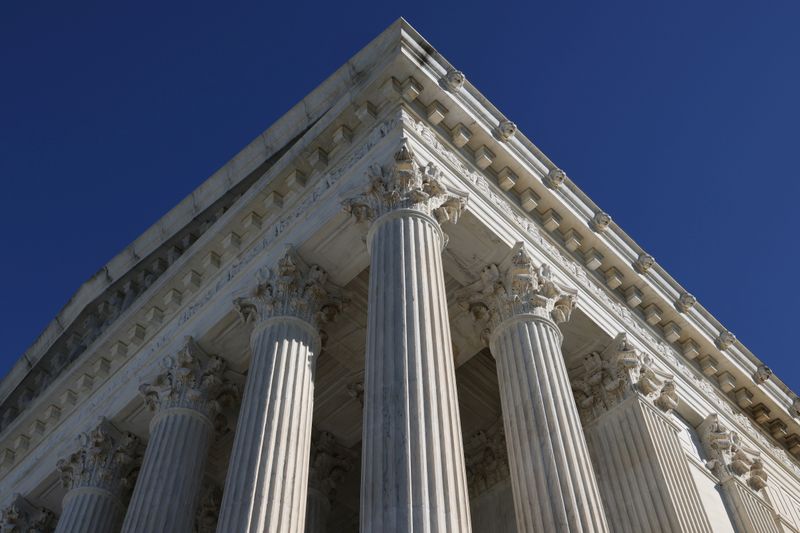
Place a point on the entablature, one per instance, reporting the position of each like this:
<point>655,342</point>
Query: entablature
<point>518,192</point>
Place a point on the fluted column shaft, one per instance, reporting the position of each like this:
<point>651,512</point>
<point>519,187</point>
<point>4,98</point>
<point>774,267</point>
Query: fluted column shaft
<point>551,474</point>
<point>413,476</point>
<point>642,471</point>
<point>166,494</point>
<point>90,510</point>
<point>267,477</point>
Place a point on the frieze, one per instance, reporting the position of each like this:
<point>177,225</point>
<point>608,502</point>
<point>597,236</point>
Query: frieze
<point>669,355</point>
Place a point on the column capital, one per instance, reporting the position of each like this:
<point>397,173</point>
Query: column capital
<point>728,456</point>
<point>21,515</point>
<point>406,184</point>
<point>192,379</point>
<point>330,462</point>
<point>514,288</point>
<point>108,459</point>
<point>290,289</point>
<point>617,373</point>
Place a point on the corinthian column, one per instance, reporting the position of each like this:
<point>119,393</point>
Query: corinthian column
<point>186,399</point>
<point>643,473</point>
<point>413,476</point>
<point>551,474</point>
<point>98,478</point>
<point>266,485</point>
<point>740,471</point>
<point>329,464</point>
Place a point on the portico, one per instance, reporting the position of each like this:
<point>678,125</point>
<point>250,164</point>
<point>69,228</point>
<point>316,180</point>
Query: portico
<point>400,316</point>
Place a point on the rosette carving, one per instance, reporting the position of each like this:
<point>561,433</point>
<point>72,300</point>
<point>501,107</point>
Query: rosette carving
<point>405,184</point>
<point>192,380</point>
<point>729,457</point>
<point>516,287</point>
<point>291,289</point>
<point>617,373</point>
<point>108,459</point>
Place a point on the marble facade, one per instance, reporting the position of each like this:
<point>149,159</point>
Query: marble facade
<point>392,312</point>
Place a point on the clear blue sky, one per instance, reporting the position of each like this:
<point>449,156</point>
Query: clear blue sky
<point>680,119</point>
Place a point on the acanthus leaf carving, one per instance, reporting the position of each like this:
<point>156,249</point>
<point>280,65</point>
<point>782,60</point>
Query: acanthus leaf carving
<point>21,516</point>
<point>107,459</point>
<point>728,456</point>
<point>291,289</point>
<point>406,184</point>
<point>192,379</point>
<point>517,287</point>
<point>615,374</point>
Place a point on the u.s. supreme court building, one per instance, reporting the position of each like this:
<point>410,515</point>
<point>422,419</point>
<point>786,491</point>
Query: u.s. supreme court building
<point>392,312</point>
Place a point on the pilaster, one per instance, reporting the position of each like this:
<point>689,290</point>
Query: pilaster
<point>642,471</point>
<point>741,473</point>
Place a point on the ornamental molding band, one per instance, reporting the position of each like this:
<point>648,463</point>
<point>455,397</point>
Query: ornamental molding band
<point>729,457</point>
<point>21,516</point>
<point>406,184</point>
<point>192,380</point>
<point>291,289</point>
<point>108,459</point>
<point>517,287</point>
<point>617,373</point>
